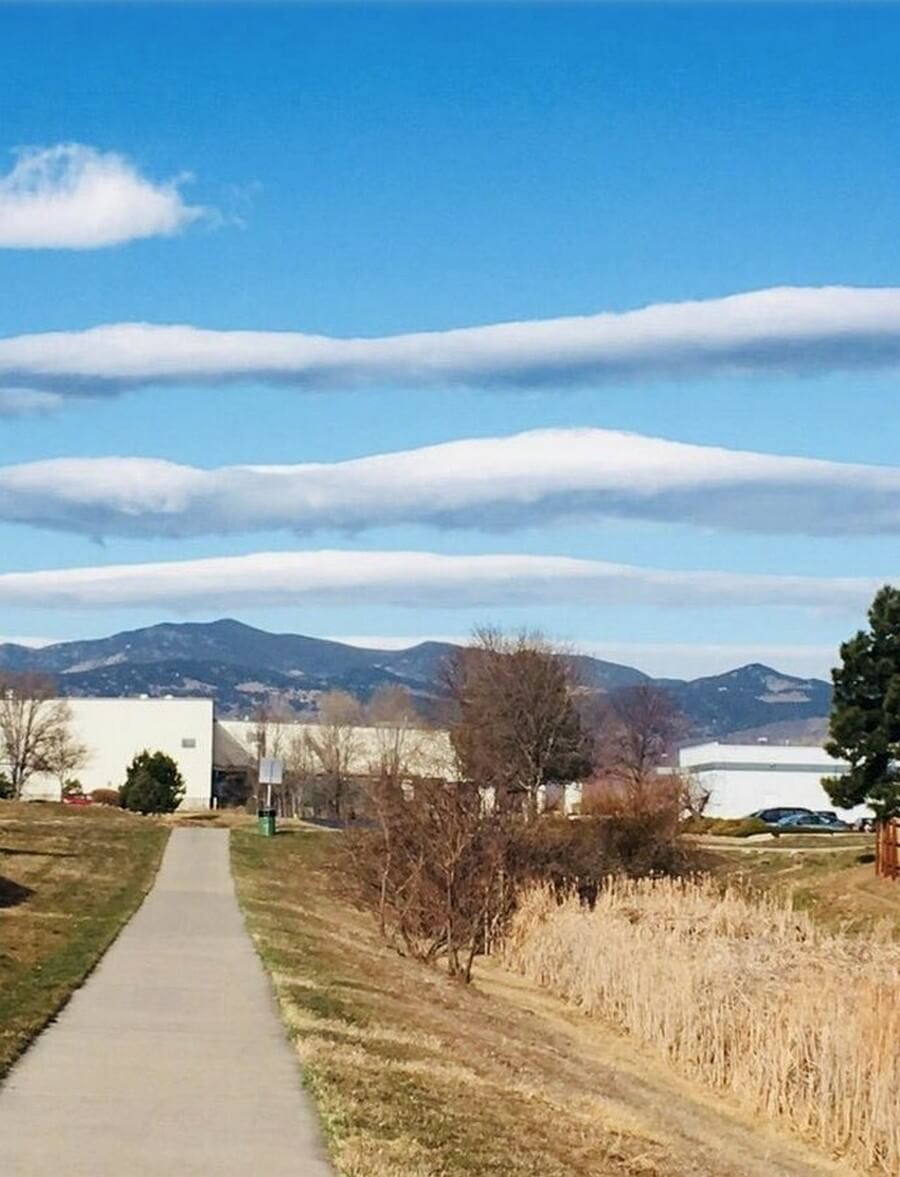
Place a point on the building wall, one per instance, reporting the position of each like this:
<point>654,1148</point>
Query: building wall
<point>115,730</point>
<point>425,752</point>
<point>745,777</point>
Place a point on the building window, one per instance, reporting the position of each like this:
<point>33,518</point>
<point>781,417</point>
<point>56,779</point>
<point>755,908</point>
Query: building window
<point>189,742</point>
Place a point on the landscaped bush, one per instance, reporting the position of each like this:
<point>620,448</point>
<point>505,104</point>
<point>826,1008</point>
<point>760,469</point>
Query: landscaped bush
<point>153,784</point>
<point>6,788</point>
<point>726,827</point>
<point>106,797</point>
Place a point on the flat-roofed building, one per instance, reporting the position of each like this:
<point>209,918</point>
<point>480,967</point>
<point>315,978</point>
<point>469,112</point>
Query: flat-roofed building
<point>742,778</point>
<point>425,752</point>
<point>114,731</point>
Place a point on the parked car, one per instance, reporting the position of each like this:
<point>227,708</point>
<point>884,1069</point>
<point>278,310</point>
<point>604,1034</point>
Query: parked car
<point>76,799</point>
<point>773,816</point>
<point>810,823</point>
<point>830,816</point>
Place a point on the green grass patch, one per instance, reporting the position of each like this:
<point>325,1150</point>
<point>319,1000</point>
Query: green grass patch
<point>70,877</point>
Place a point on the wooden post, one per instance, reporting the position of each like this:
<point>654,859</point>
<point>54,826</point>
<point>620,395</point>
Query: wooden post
<point>887,848</point>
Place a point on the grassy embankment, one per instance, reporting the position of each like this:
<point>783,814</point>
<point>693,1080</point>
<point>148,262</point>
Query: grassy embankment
<point>418,1076</point>
<point>833,879</point>
<point>70,877</point>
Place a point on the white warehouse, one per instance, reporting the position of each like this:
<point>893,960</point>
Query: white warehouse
<point>114,731</point>
<point>742,778</point>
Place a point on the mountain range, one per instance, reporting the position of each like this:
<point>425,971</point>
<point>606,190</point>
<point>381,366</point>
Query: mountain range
<point>240,667</point>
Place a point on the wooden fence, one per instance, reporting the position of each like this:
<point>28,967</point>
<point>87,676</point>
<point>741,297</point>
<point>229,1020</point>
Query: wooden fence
<point>887,849</point>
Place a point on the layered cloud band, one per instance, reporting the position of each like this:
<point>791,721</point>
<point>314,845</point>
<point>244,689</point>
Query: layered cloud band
<point>784,329</point>
<point>413,579</point>
<point>490,484</point>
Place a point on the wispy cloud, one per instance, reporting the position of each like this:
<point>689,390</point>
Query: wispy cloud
<point>19,402</point>
<point>71,196</point>
<point>490,484</point>
<point>414,579</point>
<point>787,329</point>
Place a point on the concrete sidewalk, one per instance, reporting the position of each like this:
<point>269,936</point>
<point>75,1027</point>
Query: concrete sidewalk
<point>171,1061</point>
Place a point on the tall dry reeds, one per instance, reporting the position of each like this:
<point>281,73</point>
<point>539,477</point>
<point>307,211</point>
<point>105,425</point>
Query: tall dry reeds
<point>741,992</point>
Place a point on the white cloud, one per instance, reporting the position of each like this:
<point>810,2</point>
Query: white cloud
<point>17,402</point>
<point>493,484</point>
<point>71,196</point>
<point>417,579</point>
<point>785,329</point>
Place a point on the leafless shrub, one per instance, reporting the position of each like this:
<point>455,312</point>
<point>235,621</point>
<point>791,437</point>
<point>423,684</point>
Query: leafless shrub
<point>432,868</point>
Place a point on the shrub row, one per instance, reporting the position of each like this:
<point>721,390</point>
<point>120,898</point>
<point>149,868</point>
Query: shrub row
<point>725,827</point>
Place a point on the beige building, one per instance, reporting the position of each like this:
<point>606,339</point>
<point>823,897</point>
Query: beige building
<point>238,743</point>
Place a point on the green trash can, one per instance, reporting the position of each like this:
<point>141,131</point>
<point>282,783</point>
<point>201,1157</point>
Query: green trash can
<point>265,822</point>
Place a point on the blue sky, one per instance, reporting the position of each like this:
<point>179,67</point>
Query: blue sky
<point>385,171</point>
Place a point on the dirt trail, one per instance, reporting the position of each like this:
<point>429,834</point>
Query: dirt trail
<point>704,1134</point>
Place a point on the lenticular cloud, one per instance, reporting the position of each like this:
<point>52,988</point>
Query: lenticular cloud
<point>786,329</point>
<point>491,484</point>
<point>413,579</point>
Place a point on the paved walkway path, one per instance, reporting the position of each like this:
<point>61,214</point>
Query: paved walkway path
<point>171,1061</point>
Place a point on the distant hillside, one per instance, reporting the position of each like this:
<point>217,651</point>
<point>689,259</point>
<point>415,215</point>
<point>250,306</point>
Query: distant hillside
<point>240,666</point>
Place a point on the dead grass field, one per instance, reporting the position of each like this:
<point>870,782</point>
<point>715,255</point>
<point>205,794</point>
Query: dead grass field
<point>418,1076</point>
<point>835,882</point>
<point>742,991</point>
<point>70,877</point>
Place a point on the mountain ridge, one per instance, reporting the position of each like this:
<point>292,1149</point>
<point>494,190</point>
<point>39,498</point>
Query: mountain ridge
<point>240,666</point>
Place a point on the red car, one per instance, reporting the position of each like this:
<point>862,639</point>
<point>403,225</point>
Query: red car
<point>77,799</point>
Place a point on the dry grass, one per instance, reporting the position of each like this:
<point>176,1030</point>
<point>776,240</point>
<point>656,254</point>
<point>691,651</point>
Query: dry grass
<point>418,1076</point>
<point>835,883</point>
<point>69,879</point>
<point>744,993</point>
<point>414,1075</point>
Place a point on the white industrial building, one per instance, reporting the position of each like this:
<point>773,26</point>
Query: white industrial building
<point>114,731</point>
<point>426,752</point>
<point>742,778</point>
<point>205,749</point>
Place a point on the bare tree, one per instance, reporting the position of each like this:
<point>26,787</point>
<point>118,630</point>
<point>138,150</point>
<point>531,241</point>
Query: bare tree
<point>397,733</point>
<point>299,788</point>
<point>268,737</point>
<point>516,727</point>
<point>31,719</point>
<point>63,756</point>
<point>268,720</point>
<point>337,744</point>
<point>637,729</point>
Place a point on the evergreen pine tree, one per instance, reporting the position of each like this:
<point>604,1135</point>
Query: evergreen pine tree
<point>865,712</point>
<point>153,784</point>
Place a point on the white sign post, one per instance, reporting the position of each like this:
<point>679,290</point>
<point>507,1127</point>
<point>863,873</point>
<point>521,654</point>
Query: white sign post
<point>270,773</point>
